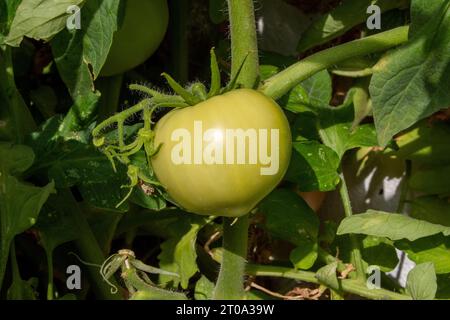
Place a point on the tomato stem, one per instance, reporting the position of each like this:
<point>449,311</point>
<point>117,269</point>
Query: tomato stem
<point>279,84</point>
<point>347,285</point>
<point>179,45</point>
<point>244,43</point>
<point>356,258</point>
<point>230,283</point>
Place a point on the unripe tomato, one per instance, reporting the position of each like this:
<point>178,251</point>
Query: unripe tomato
<point>222,156</point>
<point>142,30</point>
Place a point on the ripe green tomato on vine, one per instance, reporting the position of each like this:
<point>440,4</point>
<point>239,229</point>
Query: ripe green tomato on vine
<point>222,156</point>
<point>140,34</point>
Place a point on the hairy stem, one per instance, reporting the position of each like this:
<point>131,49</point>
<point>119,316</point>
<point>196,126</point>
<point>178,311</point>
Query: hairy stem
<point>356,258</point>
<point>243,42</point>
<point>50,292</point>
<point>279,84</point>
<point>230,283</point>
<point>347,285</point>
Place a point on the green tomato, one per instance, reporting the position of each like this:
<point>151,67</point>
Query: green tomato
<point>224,155</point>
<point>142,30</point>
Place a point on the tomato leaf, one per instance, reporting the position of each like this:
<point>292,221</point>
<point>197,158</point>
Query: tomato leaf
<point>178,253</point>
<point>80,54</point>
<point>425,144</point>
<point>421,282</point>
<point>337,132</point>
<point>393,226</point>
<point>304,256</point>
<point>39,20</point>
<point>435,249</point>
<point>379,251</point>
<point>288,217</point>
<point>20,203</point>
<point>410,83</point>
<point>313,167</point>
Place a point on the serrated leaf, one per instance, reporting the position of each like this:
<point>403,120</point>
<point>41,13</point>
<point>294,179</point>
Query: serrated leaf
<point>421,282</point>
<point>288,217</point>
<point>390,225</point>
<point>80,54</point>
<point>39,19</point>
<point>178,253</point>
<point>313,167</point>
<point>411,83</point>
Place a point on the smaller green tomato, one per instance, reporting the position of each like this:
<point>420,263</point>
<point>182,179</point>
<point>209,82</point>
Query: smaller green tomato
<point>224,155</point>
<point>142,30</point>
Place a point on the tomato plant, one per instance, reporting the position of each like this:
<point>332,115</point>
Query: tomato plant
<point>306,157</point>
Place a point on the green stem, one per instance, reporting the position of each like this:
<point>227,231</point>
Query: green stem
<point>356,258</point>
<point>109,100</point>
<point>87,243</point>
<point>50,293</point>
<point>230,283</point>
<point>279,84</point>
<point>244,43</point>
<point>348,285</point>
<point>179,11</point>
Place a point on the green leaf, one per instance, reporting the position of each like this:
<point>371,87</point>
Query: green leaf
<point>337,132</point>
<point>426,144</point>
<point>313,167</point>
<point>305,255</point>
<point>316,91</point>
<point>348,14</point>
<point>432,209</point>
<point>55,228</point>
<point>431,181</point>
<point>421,282</point>
<point>327,275</point>
<point>421,12</point>
<point>288,217</point>
<point>435,249</point>
<point>7,12</point>
<point>203,289</point>
<point>178,253</point>
<point>39,19</point>
<point>390,225</point>
<point>80,54</point>
<point>410,83</point>
<point>20,203</point>
<point>379,251</point>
